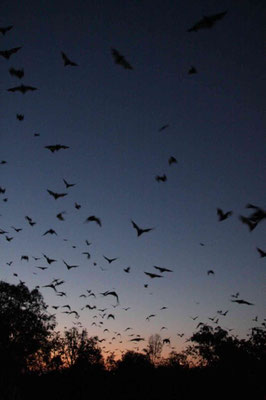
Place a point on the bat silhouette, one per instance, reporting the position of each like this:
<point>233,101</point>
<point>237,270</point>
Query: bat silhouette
<point>223,215</point>
<point>110,316</point>
<point>166,341</point>
<point>50,231</point>
<point>261,252</point>
<point>20,117</point>
<point>67,61</point>
<point>70,266</point>
<point>210,272</point>
<point>139,230</point>
<point>192,70</point>
<point>22,88</point>
<point>92,218</point>
<point>56,195</point>
<point>151,275</point>
<point>119,59</point>
<point>163,127</point>
<point>137,339</point>
<point>56,147</point>
<point>110,293</point>
<point>87,254</point>
<point>77,206</point>
<point>243,302</point>
<point>68,185</point>
<point>162,178</point>
<point>49,260</point>
<point>150,316</point>
<point>16,229</point>
<point>172,160</point>
<point>60,216</point>
<point>110,260</point>
<point>5,29</point>
<point>19,73</point>
<point>161,269</point>
<point>26,258</point>
<point>3,162</point>
<point>127,270</point>
<point>8,53</point>
<point>251,225</point>
<point>207,22</point>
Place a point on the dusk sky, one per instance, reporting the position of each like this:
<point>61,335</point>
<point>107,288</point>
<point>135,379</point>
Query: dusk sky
<point>111,117</point>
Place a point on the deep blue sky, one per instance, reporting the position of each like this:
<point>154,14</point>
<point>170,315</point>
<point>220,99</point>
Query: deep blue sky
<point>110,119</point>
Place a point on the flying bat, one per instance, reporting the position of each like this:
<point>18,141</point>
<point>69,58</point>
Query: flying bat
<point>137,339</point>
<point>243,302</point>
<point>70,266</point>
<point>223,215</point>
<point>67,61</point>
<point>251,225</point>
<point>161,269</point>
<point>22,88</point>
<point>5,29</point>
<point>110,293</point>
<point>20,117</point>
<point>56,195</point>
<point>94,219</point>
<point>19,73</point>
<point>60,216</point>
<point>163,127</point>
<point>261,252</point>
<point>49,260</point>
<point>207,22</point>
<point>56,147</point>
<point>50,231</point>
<point>162,178</point>
<point>110,260</point>
<point>172,160</point>
<point>210,272</point>
<point>8,53</point>
<point>151,275</point>
<point>119,59</point>
<point>192,70</point>
<point>68,185</point>
<point>139,230</point>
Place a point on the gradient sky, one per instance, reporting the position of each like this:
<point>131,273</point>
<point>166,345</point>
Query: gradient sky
<point>110,118</point>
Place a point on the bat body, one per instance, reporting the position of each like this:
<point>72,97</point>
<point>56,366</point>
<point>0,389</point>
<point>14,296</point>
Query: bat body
<point>22,88</point>
<point>207,22</point>
<point>223,215</point>
<point>172,160</point>
<point>56,195</point>
<point>162,178</point>
<point>110,260</point>
<point>67,61</point>
<point>161,269</point>
<point>56,147</point>
<point>243,302</point>
<point>119,59</point>
<point>19,73</point>
<point>8,53</point>
<point>151,275</point>
<point>5,29</point>
<point>139,230</point>
<point>92,218</point>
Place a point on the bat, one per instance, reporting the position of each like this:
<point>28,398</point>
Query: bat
<point>223,215</point>
<point>139,230</point>
<point>49,260</point>
<point>192,70</point>
<point>207,22</point>
<point>50,231</point>
<point>151,275</point>
<point>67,61</point>
<point>261,252</point>
<point>5,29</point>
<point>22,88</point>
<point>119,59</point>
<point>19,73</point>
<point>161,269</point>
<point>56,195</point>
<point>110,260</point>
<point>162,178</point>
<point>163,127</point>
<point>172,160</point>
<point>20,117</point>
<point>210,272</point>
<point>243,302</point>
<point>137,339</point>
<point>60,216</point>
<point>108,293</point>
<point>68,185</point>
<point>94,219</point>
<point>8,53</point>
<point>70,266</point>
<point>56,147</point>
<point>245,220</point>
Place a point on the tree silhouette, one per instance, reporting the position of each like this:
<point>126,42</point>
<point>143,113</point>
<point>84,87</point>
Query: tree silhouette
<point>154,348</point>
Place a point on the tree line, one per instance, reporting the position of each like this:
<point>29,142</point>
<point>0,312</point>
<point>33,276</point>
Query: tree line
<point>37,361</point>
